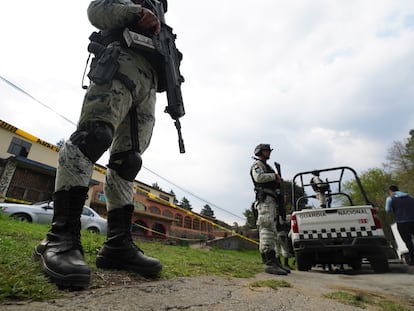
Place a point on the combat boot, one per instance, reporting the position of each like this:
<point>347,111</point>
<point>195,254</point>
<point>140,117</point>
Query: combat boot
<point>272,265</point>
<point>120,252</point>
<point>411,261</point>
<point>285,266</point>
<point>263,258</point>
<point>60,253</point>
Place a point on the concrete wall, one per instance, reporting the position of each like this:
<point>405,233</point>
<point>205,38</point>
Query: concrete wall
<point>232,243</point>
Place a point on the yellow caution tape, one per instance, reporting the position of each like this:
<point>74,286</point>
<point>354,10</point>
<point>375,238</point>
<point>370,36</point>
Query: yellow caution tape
<point>15,200</point>
<point>32,138</point>
<point>37,140</point>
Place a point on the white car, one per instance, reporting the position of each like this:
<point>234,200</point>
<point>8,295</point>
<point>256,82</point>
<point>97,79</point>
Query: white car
<point>42,213</point>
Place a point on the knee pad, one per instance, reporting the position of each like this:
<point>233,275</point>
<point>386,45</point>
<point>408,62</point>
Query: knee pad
<point>127,164</point>
<point>93,139</point>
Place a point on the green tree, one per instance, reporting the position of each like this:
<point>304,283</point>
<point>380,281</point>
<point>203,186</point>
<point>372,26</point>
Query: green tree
<point>299,192</point>
<point>175,197</point>
<point>207,211</point>
<point>287,194</point>
<point>185,204</point>
<point>410,149</point>
<point>401,162</point>
<point>156,186</point>
<point>250,220</point>
<point>375,182</point>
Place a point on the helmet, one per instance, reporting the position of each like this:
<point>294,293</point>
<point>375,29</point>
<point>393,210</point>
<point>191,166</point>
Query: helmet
<point>259,148</point>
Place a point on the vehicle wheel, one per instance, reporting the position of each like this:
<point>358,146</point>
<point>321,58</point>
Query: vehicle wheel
<point>93,230</point>
<point>22,217</point>
<point>379,264</point>
<point>406,258</point>
<point>302,263</point>
<point>356,264</point>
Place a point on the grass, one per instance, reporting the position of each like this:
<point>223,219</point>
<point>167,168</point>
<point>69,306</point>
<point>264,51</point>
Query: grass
<point>361,300</point>
<point>22,279</point>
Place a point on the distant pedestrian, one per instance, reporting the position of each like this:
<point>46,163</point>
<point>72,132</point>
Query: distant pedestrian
<point>402,206</point>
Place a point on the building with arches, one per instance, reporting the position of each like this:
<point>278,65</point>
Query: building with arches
<point>27,174</point>
<point>156,215</point>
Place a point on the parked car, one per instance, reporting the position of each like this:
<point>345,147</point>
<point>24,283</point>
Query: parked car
<point>42,213</point>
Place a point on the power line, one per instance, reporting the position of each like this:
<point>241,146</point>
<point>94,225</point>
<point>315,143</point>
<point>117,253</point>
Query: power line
<point>19,89</point>
<point>13,85</point>
<point>192,194</point>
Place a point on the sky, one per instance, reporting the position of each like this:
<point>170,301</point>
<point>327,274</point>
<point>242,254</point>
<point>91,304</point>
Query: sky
<point>325,82</point>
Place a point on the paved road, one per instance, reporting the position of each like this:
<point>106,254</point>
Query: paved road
<point>213,293</point>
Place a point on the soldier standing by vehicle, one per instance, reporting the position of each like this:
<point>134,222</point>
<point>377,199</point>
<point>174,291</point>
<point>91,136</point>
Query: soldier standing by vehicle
<point>266,182</point>
<point>320,188</point>
<point>117,114</point>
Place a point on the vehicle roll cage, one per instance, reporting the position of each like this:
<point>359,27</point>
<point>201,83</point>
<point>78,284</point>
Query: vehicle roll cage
<point>298,181</point>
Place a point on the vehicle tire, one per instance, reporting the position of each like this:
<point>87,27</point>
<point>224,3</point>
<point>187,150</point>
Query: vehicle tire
<point>379,264</point>
<point>302,263</point>
<point>93,229</point>
<point>356,264</point>
<point>406,258</point>
<point>22,217</point>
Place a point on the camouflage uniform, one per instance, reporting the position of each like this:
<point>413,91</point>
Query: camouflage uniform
<point>266,182</point>
<point>320,194</point>
<point>111,103</point>
<point>261,174</point>
<point>104,124</point>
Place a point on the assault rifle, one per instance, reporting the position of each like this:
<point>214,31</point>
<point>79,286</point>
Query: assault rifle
<point>170,58</point>
<point>280,194</point>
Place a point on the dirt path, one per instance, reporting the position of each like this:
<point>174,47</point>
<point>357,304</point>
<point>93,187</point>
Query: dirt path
<point>216,294</point>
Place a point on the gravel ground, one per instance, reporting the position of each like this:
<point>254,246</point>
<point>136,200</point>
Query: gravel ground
<point>216,294</point>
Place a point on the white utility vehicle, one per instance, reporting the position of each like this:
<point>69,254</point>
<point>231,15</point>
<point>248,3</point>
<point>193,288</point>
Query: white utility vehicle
<point>342,233</point>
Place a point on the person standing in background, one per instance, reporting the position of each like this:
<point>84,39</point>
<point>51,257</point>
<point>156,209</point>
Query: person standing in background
<point>402,206</point>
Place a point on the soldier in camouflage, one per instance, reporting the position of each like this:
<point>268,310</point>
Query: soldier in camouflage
<point>265,182</point>
<point>320,188</point>
<point>105,123</point>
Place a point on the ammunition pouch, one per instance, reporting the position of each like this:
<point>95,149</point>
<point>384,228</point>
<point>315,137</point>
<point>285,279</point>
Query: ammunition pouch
<point>104,65</point>
<point>260,195</point>
<point>127,39</point>
<point>323,187</point>
<point>254,211</point>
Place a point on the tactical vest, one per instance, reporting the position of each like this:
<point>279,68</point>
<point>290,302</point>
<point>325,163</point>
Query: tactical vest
<point>403,208</point>
<point>154,58</point>
<point>271,185</point>
<point>319,186</point>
